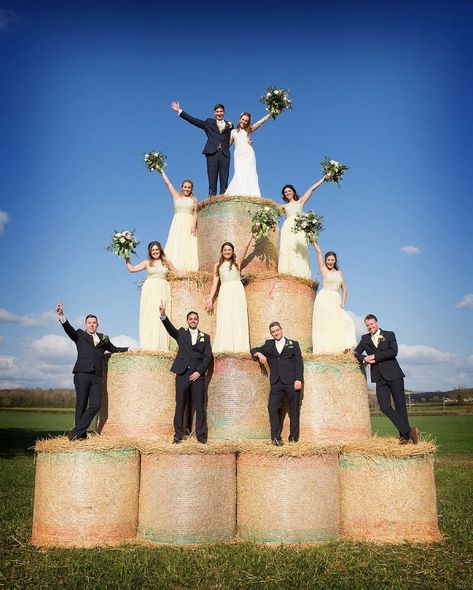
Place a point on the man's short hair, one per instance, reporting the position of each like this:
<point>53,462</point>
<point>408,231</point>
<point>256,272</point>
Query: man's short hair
<point>219,106</point>
<point>371,316</point>
<point>91,315</point>
<point>272,324</point>
<point>190,313</point>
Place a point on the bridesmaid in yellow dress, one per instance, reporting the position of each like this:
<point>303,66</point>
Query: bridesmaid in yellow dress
<point>181,246</point>
<point>231,333</point>
<point>293,249</point>
<point>155,289</point>
<point>333,330</point>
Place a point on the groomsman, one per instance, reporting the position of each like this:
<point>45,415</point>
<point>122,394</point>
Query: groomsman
<point>380,347</point>
<point>286,374</point>
<point>88,369</point>
<point>217,148</point>
<point>193,357</point>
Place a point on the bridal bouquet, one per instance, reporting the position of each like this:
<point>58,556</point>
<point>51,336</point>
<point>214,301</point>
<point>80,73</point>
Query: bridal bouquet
<point>310,223</point>
<point>333,169</point>
<point>263,221</point>
<point>123,243</point>
<point>276,101</point>
<point>155,161</point>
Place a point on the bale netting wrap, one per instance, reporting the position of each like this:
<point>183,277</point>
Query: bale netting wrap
<point>139,395</point>
<point>187,497</point>
<point>389,497</point>
<point>86,498</point>
<point>334,405</point>
<point>228,219</point>
<point>287,499</point>
<point>283,298</point>
<point>190,293</point>
<point>237,398</point>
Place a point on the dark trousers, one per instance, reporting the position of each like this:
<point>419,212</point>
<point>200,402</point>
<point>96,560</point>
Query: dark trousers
<point>398,415</point>
<point>218,165</point>
<point>88,400</point>
<point>196,389</point>
<point>276,397</point>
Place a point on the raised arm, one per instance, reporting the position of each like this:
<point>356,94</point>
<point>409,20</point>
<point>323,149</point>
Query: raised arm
<point>209,305</point>
<point>70,331</point>
<point>305,197</point>
<point>169,184</point>
<point>176,107</point>
<point>258,124</point>
<point>320,258</point>
<point>136,267</point>
<point>244,251</point>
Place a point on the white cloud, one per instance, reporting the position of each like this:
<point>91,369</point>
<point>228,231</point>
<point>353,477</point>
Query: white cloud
<point>52,346</point>
<point>466,302</point>
<point>4,219</point>
<point>410,250</point>
<point>8,19</point>
<point>28,320</point>
<point>425,355</point>
<point>124,340</point>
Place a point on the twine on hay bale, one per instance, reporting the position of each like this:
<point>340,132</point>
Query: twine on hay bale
<point>139,396</point>
<point>187,498</point>
<point>334,405</point>
<point>283,298</point>
<point>287,495</point>
<point>228,219</point>
<point>387,492</point>
<point>237,398</point>
<point>85,497</point>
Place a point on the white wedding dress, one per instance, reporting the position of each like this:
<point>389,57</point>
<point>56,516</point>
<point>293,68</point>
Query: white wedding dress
<point>245,177</point>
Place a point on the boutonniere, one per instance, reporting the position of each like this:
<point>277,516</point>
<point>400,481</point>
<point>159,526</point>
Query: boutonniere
<point>105,338</point>
<point>289,344</point>
<point>201,337</point>
<point>381,339</point>
<point>229,124</point>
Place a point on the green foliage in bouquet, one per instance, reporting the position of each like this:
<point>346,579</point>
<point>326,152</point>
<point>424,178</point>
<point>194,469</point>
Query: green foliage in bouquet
<point>310,223</point>
<point>264,220</point>
<point>276,100</point>
<point>333,169</point>
<point>155,161</point>
<point>123,243</point>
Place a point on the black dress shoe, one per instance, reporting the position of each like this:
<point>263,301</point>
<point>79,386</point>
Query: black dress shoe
<point>202,441</point>
<point>293,440</point>
<point>176,441</point>
<point>403,440</point>
<point>277,442</point>
<point>72,435</point>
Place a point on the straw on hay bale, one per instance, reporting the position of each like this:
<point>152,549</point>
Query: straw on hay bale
<point>190,293</point>
<point>237,398</point>
<point>139,395</point>
<point>387,493</point>
<point>85,498</point>
<point>280,297</point>
<point>228,219</point>
<point>187,496</point>
<point>334,406</point>
<point>287,499</point>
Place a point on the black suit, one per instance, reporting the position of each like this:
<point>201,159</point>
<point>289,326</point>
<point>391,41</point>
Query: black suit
<point>285,368</point>
<point>190,358</point>
<point>216,151</point>
<point>388,376</point>
<point>88,371</point>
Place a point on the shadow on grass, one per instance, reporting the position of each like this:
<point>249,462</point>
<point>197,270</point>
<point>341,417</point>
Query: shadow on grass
<point>19,441</point>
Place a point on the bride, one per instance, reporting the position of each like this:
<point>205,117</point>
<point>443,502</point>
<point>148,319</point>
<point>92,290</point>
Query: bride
<point>245,178</point>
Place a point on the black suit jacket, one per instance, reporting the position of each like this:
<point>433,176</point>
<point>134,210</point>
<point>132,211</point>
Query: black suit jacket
<point>386,366</point>
<point>197,357</point>
<point>90,357</point>
<point>214,137</point>
<point>287,366</point>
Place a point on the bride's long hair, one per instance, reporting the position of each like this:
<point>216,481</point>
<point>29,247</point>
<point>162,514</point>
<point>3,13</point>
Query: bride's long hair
<point>232,260</point>
<point>192,186</point>
<point>162,256</point>
<point>248,128</point>
<point>331,253</point>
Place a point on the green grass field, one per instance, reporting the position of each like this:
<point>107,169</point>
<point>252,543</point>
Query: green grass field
<point>340,565</point>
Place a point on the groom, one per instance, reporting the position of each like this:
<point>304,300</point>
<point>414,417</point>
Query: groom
<point>217,148</point>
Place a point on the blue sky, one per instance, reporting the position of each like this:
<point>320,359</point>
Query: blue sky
<point>86,88</point>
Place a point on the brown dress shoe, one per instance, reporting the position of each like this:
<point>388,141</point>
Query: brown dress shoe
<point>414,435</point>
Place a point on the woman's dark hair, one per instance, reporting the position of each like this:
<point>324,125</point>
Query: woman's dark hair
<point>331,253</point>
<point>248,127</point>
<point>222,259</point>
<point>296,196</point>
<point>161,249</point>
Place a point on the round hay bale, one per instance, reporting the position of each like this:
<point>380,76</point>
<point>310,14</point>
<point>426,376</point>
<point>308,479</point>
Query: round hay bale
<point>284,499</point>
<point>190,293</point>
<point>334,406</point>
<point>187,498</point>
<point>86,498</point>
<point>139,395</point>
<point>283,298</point>
<point>237,398</point>
<point>388,499</point>
<point>228,219</point>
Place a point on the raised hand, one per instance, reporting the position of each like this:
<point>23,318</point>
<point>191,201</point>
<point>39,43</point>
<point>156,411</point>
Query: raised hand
<point>59,309</point>
<point>162,308</point>
<point>175,106</point>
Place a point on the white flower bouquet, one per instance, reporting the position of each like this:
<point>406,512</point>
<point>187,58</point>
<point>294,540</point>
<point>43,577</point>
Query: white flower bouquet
<point>310,223</point>
<point>264,220</point>
<point>123,243</point>
<point>333,169</point>
<point>276,100</point>
<point>155,161</point>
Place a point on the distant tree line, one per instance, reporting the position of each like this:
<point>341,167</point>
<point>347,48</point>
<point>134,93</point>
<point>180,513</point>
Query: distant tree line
<point>37,398</point>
